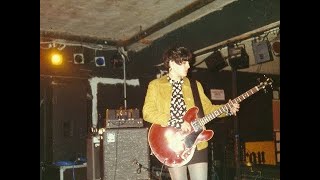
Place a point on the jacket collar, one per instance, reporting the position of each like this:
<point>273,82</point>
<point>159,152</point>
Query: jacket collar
<point>164,80</point>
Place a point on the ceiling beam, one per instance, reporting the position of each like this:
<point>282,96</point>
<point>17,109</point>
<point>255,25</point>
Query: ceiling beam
<point>167,21</point>
<point>239,38</point>
<point>67,36</point>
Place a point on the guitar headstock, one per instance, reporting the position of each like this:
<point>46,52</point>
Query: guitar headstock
<point>264,83</point>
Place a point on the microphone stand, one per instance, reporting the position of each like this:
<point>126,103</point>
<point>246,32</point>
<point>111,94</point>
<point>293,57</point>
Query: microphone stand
<point>214,174</point>
<point>236,129</point>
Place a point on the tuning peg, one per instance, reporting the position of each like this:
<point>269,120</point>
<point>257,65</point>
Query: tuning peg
<point>259,80</point>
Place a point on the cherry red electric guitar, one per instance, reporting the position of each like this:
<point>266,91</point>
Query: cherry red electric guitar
<point>175,148</point>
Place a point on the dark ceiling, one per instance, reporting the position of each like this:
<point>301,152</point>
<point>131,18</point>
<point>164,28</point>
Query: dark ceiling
<point>104,26</point>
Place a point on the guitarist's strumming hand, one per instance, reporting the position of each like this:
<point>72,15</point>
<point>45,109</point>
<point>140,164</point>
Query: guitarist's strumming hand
<point>234,107</point>
<point>185,127</point>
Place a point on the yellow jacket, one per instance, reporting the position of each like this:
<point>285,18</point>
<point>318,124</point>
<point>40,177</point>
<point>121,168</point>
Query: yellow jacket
<point>156,108</point>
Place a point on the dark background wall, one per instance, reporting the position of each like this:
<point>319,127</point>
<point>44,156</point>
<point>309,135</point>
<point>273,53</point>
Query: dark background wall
<point>65,113</point>
<point>255,116</point>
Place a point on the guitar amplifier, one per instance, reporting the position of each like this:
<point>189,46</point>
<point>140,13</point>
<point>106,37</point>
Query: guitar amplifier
<point>124,123</point>
<point>128,118</point>
<point>126,154</point>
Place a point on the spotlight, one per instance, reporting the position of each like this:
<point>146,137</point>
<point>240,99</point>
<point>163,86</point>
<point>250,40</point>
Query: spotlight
<point>56,59</point>
<point>215,61</point>
<point>116,61</point>
<point>100,61</point>
<point>275,45</point>
<point>78,58</point>
<point>238,57</point>
<point>276,48</point>
<point>261,51</point>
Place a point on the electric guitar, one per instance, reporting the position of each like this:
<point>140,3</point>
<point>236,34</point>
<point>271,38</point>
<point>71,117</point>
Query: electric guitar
<point>175,148</point>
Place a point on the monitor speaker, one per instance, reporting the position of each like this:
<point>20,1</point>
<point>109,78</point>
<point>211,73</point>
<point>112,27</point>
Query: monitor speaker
<point>126,154</point>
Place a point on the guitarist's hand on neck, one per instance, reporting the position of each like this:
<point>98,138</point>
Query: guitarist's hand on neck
<point>234,107</point>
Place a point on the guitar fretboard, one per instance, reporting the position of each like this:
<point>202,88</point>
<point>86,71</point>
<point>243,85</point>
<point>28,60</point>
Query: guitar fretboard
<point>227,106</point>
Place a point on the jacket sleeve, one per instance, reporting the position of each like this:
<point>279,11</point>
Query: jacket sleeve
<point>151,108</point>
<point>208,107</point>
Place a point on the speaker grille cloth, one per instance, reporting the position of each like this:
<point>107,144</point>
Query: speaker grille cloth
<point>126,154</point>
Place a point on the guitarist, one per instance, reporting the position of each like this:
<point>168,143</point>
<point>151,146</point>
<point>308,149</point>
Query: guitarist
<point>167,100</point>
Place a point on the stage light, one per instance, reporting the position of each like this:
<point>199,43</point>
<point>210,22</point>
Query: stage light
<point>116,60</point>
<point>275,45</point>
<point>78,58</point>
<point>56,59</point>
<point>261,51</point>
<point>238,57</point>
<point>100,61</point>
<point>215,61</point>
<point>276,48</point>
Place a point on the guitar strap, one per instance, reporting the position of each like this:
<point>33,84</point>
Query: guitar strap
<point>196,97</point>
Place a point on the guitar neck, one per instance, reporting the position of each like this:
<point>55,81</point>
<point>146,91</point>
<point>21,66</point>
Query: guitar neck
<point>224,108</point>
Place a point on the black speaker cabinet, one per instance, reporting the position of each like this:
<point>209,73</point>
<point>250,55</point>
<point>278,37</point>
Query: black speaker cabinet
<point>126,154</point>
<point>65,120</point>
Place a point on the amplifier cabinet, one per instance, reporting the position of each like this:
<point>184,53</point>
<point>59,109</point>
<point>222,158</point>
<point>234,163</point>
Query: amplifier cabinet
<point>123,118</point>
<point>124,123</point>
<point>126,154</point>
